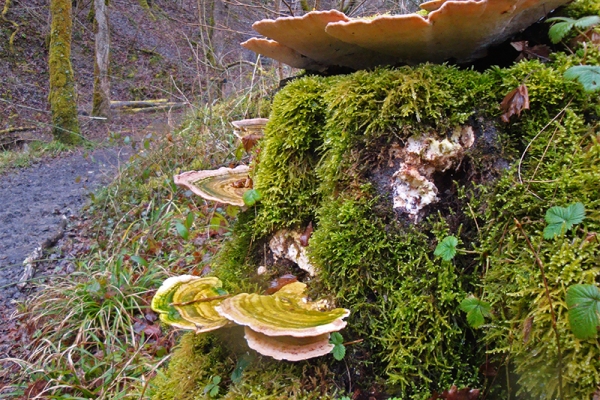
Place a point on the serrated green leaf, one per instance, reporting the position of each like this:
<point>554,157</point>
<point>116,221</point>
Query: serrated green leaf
<point>583,302</point>
<point>476,311</point>
<point>336,338</point>
<point>251,196</point>
<point>559,30</point>
<point>587,21</point>
<point>561,219</point>
<point>587,75</point>
<point>446,248</point>
<point>339,352</point>
<point>182,230</point>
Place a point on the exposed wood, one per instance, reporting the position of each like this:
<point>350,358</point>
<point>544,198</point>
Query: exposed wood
<point>162,107</point>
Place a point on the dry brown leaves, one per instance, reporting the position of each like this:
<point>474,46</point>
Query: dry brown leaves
<point>457,394</point>
<point>515,102</point>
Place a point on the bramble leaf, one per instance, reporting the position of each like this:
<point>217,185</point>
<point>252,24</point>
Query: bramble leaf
<point>476,311</point>
<point>587,75</point>
<point>561,219</point>
<point>583,302</point>
<point>587,22</point>
<point>251,196</point>
<point>559,30</point>
<point>446,248</point>
<point>339,350</point>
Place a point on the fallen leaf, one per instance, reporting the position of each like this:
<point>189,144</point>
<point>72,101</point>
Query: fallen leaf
<point>537,52</point>
<point>515,102</point>
<point>306,235</point>
<point>590,35</point>
<point>488,369</point>
<point>280,282</point>
<point>249,141</point>
<point>457,394</point>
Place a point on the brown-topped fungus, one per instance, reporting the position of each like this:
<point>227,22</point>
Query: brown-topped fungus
<point>285,313</point>
<point>458,30</point>
<point>288,348</point>
<point>225,185</point>
<point>181,301</point>
<point>279,52</point>
<point>307,36</point>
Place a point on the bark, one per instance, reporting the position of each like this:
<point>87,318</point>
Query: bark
<point>63,98</point>
<point>101,100</point>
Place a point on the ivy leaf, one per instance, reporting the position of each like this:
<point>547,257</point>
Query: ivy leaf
<point>446,248</point>
<point>476,311</point>
<point>587,75</point>
<point>251,196</point>
<point>583,302</point>
<point>561,219</point>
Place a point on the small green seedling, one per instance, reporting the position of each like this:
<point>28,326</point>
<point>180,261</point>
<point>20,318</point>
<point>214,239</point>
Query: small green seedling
<point>213,387</point>
<point>561,219</point>
<point>183,227</point>
<point>477,310</point>
<point>564,25</point>
<point>446,248</point>
<point>339,350</point>
<point>251,196</point>
<point>583,302</point>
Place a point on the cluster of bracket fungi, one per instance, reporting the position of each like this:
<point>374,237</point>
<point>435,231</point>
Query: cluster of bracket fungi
<point>445,30</point>
<point>283,325</point>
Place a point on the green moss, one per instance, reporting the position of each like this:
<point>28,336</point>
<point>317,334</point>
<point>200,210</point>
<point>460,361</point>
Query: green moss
<point>198,358</point>
<point>568,173</point>
<point>63,98</point>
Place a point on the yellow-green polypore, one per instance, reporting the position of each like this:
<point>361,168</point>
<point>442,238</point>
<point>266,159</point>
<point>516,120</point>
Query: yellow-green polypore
<point>184,302</point>
<point>217,185</point>
<point>285,313</point>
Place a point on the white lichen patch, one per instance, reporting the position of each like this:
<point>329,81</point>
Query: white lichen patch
<point>285,244</point>
<point>422,156</point>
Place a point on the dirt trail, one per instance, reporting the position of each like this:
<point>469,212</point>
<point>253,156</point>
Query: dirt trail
<point>34,200</point>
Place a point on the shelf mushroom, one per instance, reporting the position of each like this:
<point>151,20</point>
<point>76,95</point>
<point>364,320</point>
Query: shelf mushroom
<point>225,185</point>
<point>188,302</point>
<point>283,325</point>
<point>453,30</point>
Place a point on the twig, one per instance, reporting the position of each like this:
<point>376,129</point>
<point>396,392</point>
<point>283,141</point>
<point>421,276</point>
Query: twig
<point>536,136</point>
<point>541,266</point>
<point>17,129</point>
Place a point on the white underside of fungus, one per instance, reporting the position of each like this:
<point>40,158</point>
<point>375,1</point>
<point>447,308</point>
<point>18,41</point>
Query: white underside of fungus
<point>285,244</point>
<point>422,156</point>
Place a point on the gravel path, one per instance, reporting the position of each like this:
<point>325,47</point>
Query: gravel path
<point>34,200</point>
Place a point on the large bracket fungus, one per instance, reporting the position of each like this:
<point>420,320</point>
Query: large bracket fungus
<point>456,30</point>
<point>283,325</point>
<point>225,185</point>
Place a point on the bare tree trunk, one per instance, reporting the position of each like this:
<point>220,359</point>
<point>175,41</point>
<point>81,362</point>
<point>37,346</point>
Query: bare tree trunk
<point>63,98</point>
<point>101,100</point>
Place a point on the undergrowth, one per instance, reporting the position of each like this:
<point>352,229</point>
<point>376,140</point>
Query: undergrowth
<point>94,335</point>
